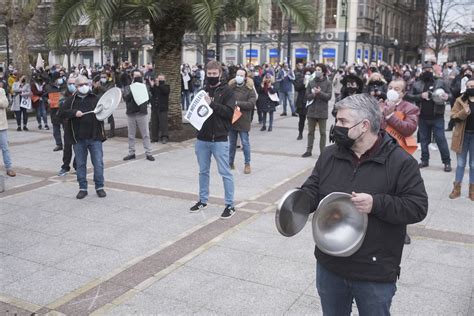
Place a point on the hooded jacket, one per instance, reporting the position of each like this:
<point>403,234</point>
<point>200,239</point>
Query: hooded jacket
<point>246,99</point>
<point>393,178</point>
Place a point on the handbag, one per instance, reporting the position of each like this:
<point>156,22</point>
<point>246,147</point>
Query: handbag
<point>237,114</point>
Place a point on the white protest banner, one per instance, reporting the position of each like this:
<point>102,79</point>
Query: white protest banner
<point>26,103</point>
<point>199,111</point>
<point>139,93</point>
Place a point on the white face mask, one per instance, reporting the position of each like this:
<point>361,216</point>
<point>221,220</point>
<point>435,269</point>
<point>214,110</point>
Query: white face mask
<point>392,95</point>
<point>83,89</point>
<point>256,74</point>
<point>103,80</point>
<point>239,79</point>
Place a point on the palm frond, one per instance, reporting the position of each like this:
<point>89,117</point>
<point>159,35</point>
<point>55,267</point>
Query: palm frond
<point>206,14</point>
<point>66,14</point>
<point>300,11</point>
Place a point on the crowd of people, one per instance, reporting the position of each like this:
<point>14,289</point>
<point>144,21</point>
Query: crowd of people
<point>380,115</point>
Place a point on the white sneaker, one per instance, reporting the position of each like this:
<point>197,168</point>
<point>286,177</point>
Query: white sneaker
<point>433,147</point>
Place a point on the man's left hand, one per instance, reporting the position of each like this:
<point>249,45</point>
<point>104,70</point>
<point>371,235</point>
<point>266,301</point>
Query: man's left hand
<point>208,99</point>
<point>444,96</point>
<point>363,202</point>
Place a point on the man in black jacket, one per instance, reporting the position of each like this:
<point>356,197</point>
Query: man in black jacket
<point>386,184</point>
<point>430,95</point>
<point>212,139</point>
<point>137,116</point>
<point>87,135</point>
<point>160,92</point>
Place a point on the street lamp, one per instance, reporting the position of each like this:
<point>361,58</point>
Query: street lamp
<point>344,14</point>
<point>373,35</point>
<point>395,44</point>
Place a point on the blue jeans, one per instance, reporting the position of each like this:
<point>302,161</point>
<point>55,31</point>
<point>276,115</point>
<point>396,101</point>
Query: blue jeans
<point>244,138</point>
<point>220,151</point>
<point>287,97</point>
<point>467,147</point>
<point>337,293</point>
<point>4,147</point>
<point>426,127</point>
<point>41,113</point>
<point>185,100</point>
<point>81,149</point>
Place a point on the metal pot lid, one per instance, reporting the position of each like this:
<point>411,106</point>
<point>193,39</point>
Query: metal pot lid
<point>292,212</point>
<point>108,103</point>
<point>338,227</point>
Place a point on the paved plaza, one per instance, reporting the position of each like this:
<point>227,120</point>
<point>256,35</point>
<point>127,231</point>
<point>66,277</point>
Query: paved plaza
<point>139,251</point>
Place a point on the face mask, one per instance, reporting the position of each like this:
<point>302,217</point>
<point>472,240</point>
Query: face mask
<point>256,74</point>
<point>83,89</point>
<point>351,90</point>
<point>392,95</point>
<point>318,74</point>
<point>71,88</point>
<point>213,81</point>
<point>138,79</point>
<point>239,80</point>
<point>341,136</point>
<point>103,80</point>
<point>427,76</point>
<point>470,92</point>
<point>161,82</point>
<point>468,76</point>
<point>306,77</point>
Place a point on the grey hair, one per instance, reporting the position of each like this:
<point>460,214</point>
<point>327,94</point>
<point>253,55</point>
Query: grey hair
<point>81,78</point>
<point>365,106</point>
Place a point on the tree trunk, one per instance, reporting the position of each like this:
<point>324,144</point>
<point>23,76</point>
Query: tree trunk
<point>20,48</point>
<point>168,41</point>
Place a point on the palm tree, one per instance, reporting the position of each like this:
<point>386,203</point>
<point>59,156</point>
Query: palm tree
<point>17,15</point>
<point>169,20</point>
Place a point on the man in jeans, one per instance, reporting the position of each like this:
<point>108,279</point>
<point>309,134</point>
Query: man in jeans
<point>285,78</point>
<point>212,139</point>
<point>430,95</point>
<point>88,133</point>
<point>3,133</point>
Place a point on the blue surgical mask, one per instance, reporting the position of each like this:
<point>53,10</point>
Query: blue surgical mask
<point>60,81</point>
<point>71,88</point>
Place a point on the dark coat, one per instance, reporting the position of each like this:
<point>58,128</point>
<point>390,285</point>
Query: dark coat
<point>132,107</point>
<point>85,127</point>
<point>264,103</point>
<point>301,89</point>
<point>216,127</point>
<point>246,100</point>
<point>393,178</point>
<point>319,107</point>
<point>160,98</point>
<point>419,87</point>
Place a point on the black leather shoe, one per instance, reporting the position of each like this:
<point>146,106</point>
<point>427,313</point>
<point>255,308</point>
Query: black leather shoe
<point>407,239</point>
<point>58,148</point>
<point>81,195</point>
<point>263,128</point>
<point>447,167</point>
<point>150,157</point>
<point>294,114</point>
<point>101,193</point>
<point>129,157</point>
<point>283,114</point>
<point>300,137</point>
<point>423,164</point>
<point>306,154</point>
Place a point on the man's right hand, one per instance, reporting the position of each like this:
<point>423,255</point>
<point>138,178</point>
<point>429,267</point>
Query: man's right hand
<point>79,114</point>
<point>425,96</point>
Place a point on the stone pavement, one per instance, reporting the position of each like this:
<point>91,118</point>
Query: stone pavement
<point>139,251</point>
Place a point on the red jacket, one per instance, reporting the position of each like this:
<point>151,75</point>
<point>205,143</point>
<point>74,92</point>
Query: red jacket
<point>408,125</point>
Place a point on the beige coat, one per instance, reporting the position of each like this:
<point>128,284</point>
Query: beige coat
<point>459,115</point>
<point>3,110</point>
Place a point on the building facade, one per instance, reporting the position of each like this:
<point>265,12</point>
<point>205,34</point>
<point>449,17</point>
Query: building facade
<point>392,31</point>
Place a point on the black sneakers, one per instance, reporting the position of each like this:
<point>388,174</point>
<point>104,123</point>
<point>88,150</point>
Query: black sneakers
<point>150,158</point>
<point>101,193</point>
<point>197,207</point>
<point>129,157</point>
<point>229,211</point>
<point>81,195</point>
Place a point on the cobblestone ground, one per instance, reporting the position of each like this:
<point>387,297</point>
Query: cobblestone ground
<point>139,251</point>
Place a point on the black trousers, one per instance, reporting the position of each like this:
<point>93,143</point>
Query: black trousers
<point>67,157</point>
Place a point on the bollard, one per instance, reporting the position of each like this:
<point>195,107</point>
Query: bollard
<point>2,183</point>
